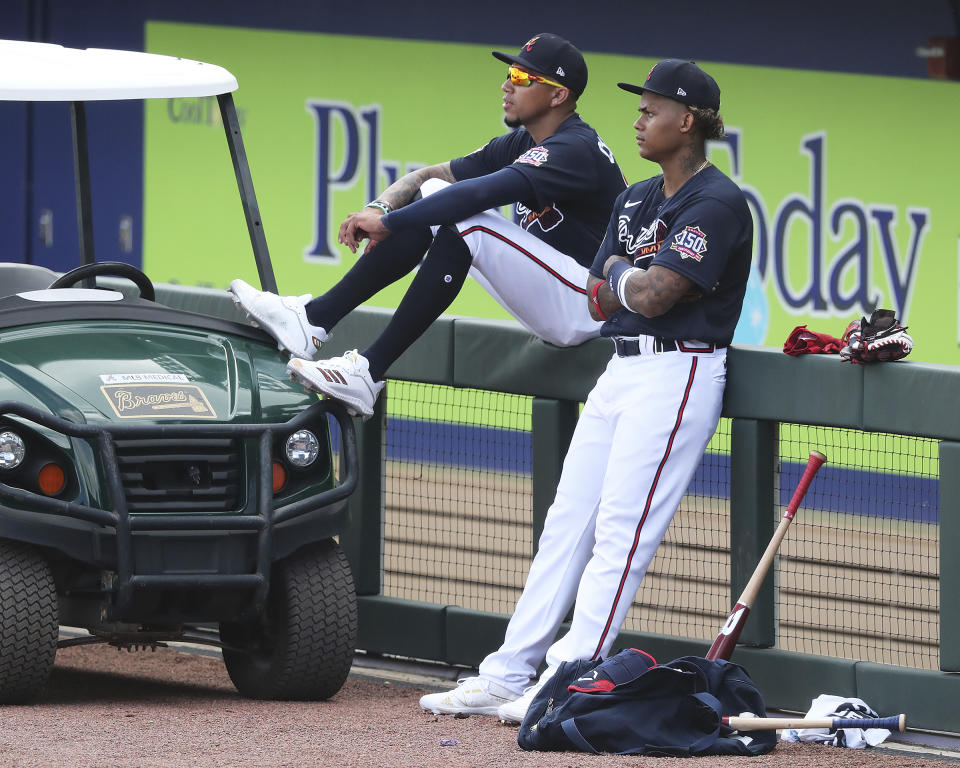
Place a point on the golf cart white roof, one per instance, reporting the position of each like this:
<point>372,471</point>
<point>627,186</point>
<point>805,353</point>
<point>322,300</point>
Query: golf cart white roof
<point>47,72</point>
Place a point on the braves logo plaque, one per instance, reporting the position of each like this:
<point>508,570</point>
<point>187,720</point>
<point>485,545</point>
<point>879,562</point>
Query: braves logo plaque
<point>158,401</point>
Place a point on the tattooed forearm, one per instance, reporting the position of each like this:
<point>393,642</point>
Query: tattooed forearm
<point>403,189</point>
<point>608,302</point>
<point>655,291</point>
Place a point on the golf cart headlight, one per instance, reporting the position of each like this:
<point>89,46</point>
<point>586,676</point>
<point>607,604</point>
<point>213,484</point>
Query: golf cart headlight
<point>302,448</point>
<point>11,450</point>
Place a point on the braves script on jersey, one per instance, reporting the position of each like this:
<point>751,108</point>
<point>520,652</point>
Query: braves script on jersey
<point>574,177</point>
<point>704,232</point>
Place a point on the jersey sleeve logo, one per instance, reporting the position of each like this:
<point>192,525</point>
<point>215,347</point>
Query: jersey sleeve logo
<point>535,156</point>
<point>690,244</point>
<point>547,219</point>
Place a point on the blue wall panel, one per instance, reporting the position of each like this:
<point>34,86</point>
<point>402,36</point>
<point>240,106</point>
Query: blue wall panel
<point>14,24</point>
<point>116,145</point>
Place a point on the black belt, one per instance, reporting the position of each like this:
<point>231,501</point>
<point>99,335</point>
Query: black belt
<point>631,347</point>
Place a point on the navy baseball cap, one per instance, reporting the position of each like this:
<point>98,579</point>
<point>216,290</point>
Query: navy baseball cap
<point>552,56</point>
<point>681,81</point>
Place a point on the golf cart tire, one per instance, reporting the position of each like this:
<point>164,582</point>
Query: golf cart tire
<point>28,622</point>
<point>302,647</point>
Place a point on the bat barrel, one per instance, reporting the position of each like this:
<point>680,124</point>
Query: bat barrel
<point>726,641</point>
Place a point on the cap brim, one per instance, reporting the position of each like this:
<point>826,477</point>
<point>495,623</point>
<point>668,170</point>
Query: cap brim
<point>639,89</point>
<point>520,62</point>
<point>509,58</point>
<point>631,88</point>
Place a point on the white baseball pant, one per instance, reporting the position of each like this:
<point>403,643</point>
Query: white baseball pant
<point>538,285</point>
<point>636,446</point>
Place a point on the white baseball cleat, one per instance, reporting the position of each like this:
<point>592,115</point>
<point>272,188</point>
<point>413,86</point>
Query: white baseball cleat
<point>345,378</point>
<point>472,696</point>
<point>283,317</point>
<point>514,711</point>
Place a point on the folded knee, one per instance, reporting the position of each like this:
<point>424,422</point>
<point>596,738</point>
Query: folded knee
<point>432,185</point>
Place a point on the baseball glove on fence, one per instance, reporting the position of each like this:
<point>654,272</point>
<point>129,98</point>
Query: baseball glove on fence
<point>879,339</point>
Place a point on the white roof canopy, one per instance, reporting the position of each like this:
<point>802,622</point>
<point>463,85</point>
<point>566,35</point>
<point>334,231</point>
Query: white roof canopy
<point>46,72</point>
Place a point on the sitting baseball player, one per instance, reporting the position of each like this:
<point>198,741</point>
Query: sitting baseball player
<point>561,176</point>
<point>668,284</point>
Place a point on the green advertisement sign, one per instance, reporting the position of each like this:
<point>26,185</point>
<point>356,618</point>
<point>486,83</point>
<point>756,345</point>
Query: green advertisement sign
<point>851,178</point>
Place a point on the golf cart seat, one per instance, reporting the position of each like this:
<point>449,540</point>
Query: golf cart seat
<point>15,278</point>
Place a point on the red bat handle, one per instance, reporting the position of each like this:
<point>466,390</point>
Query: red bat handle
<point>813,464</point>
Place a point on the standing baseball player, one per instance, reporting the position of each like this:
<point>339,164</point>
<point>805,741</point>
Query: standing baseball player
<point>668,283</point>
<point>557,167</point>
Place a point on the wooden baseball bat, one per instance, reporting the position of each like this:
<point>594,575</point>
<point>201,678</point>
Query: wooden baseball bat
<point>727,639</point>
<point>893,723</point>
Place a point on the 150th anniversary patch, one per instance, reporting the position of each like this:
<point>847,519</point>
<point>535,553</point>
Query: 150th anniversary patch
<point>535,156</point>
<point>158,401</point>
<point>690,244</point>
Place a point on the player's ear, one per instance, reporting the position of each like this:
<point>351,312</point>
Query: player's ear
<point>688,122</point>
<point>560,96</point>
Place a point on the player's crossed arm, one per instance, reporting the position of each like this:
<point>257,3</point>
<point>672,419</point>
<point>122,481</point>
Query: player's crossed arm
<point>649,292</point>
<point>604,297</point>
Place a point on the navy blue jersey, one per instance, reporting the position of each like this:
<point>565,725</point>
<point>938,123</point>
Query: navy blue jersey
<point>704,232</point>
<point>575,180</point>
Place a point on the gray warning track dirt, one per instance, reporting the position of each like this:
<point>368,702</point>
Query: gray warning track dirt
<point>105,708</point>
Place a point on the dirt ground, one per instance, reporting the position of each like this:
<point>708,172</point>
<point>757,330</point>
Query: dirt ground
<point>105,708</point>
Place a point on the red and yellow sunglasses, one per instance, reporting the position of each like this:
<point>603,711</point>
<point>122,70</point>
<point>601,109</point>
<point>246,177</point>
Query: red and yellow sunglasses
<point>523,78</point>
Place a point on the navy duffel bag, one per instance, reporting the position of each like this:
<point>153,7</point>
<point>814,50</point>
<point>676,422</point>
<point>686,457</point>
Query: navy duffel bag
<point>630,705</point>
